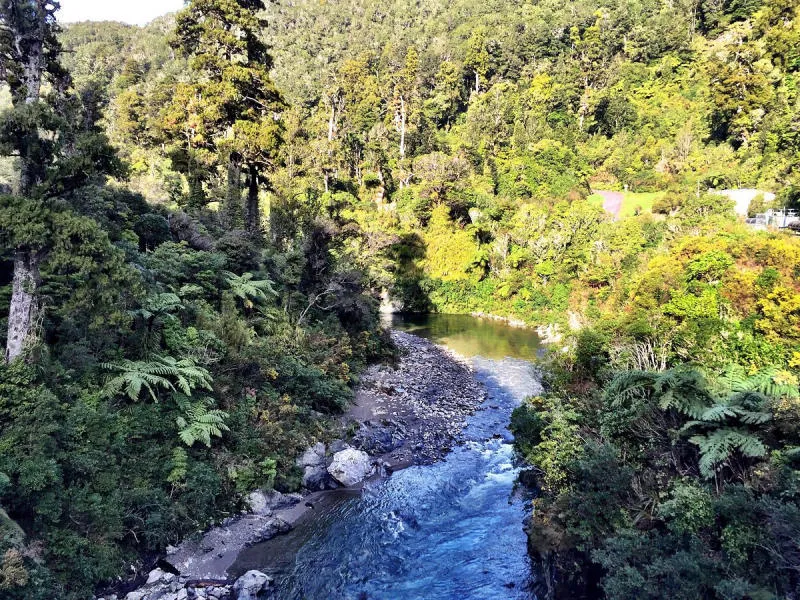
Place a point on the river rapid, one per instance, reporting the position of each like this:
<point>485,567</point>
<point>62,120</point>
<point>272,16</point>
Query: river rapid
<point>452,530</point>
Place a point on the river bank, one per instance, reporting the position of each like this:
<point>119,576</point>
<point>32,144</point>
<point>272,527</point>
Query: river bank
<point>405,414</point>
<point>449,529</point>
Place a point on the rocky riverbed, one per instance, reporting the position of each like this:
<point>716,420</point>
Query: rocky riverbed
<point>412,412</point>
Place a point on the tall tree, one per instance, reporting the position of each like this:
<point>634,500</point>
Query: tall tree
<point>28,52</point>
<point>242,108</point>
<point>406,98</point>
<point>53,133</point>
<point>477,57</point>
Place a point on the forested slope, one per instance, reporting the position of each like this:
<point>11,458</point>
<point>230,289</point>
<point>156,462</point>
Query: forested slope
<point>161,363</point>
<point>209,286</point>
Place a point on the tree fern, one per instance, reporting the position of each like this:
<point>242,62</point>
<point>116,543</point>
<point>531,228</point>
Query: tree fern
<point>719,446</point>
<point>630,384</point>
<point>717,413</point>
<point>199,422</point>
<point>770,382</point>
<point>154,314</point>
<point>158,304</point>
<point>160,372</point>
<point>726,424</point>
<point>723,417</point>
<point>249,290</point>
<point>683,390</point>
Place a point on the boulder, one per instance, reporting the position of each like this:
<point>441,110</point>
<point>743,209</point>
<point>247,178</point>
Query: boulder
<point>250,585</point>
<point>314,465</point>
<point>312,457</point>
<point>259,505</point>
<point>351,466</point>
<point>378,440</point>
<point>338,446</point>
<point>267,531</point>
<point>154,575</point>
<point>277,501</point>
<point>265,503</point>
<point>317,478</point>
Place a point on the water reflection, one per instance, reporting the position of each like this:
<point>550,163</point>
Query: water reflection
<point>469,336</point>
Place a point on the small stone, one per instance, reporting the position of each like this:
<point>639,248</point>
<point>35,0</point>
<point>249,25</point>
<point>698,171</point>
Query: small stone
<point>155,575</point>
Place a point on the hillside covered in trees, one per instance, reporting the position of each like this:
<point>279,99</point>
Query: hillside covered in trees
<point>201,216</point>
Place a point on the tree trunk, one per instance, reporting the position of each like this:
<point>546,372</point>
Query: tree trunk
<point>253,213</point>
<point>477,81</point>
<point>402,127</point>
<point>332,123</point>
<point>24,311</point>
<point>233,197</point>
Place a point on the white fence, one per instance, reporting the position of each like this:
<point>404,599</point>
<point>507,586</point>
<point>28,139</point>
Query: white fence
<point>775,218</point>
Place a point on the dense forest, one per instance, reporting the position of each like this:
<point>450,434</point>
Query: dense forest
<point>200,218</point>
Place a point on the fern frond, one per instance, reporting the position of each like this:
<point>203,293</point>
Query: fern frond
<point>718,446</point>
<point>201,423</point>
<point>162,372</point>
<point>718,413</point>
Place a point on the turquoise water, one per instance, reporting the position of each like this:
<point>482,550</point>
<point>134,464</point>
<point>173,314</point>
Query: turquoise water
<point>448,531</point>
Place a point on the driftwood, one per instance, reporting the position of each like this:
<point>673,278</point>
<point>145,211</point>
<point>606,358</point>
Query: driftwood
<point>203,583</point>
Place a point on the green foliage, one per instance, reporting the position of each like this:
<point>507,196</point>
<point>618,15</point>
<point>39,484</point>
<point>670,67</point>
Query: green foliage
<point>444,155</point>
<point>160,372</point>
<point>549,433</point>
<point>718,446</point>
<point>249,290</point>
<point>198,423</point>
<point>689,508</point>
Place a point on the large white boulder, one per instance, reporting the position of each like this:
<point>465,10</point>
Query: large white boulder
<point>350,466</point>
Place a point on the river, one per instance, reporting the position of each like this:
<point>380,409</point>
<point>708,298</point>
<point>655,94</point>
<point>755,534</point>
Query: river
<point>448,531</point>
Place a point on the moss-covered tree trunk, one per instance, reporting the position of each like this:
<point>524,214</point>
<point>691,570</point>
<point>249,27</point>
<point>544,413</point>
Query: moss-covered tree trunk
<point>233,197</point>
<point>25,310</point>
